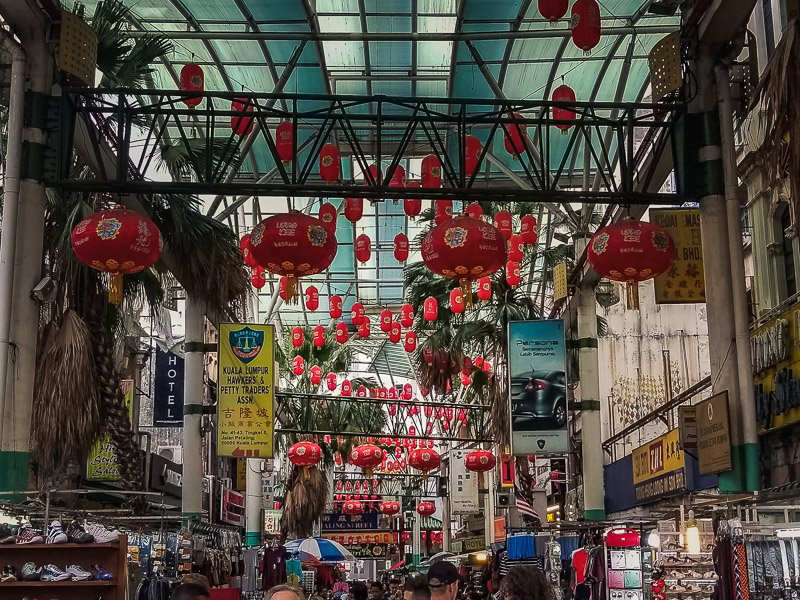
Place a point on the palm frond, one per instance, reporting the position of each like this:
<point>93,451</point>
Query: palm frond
<point>183,158</point>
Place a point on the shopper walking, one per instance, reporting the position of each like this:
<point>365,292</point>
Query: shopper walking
<point>443,581</point>
<point>524,582</point>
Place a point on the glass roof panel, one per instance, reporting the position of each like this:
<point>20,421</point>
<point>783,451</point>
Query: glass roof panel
<point>213,10</point>
<point>337,6</point>
<point>283,9</point>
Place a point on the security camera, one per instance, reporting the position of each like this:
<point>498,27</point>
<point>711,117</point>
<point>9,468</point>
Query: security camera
<point>45,290</point>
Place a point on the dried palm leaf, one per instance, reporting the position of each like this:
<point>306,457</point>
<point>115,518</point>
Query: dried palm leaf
<point>304,502</point>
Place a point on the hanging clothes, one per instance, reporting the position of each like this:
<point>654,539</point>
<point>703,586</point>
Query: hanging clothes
<point>274,570</point>
<point>579,559</point>
<point>521,547</point>
<point>294,572</point>
<point>596,572</point>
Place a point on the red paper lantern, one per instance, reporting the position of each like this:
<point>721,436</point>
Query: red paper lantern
<point>386,320</point>
<point>327,214</point>
<point>367,456</point>
<point>516,133</point>
<point>563,93</point>
<point>394,333</point>
<point>398,177</point>
<point>353,209</point>
<point>475,211</point>
<point>512,273</point>
<point>383,393</point>
<point>330,379</point>
<point>335,306</point>
<point>363,329</point>
<point>376,173</point>
<point>257,278</point>
<point>247,255</point>
<point>408,391</point>
<point>515,248</point>
<point>406,315</point>
<point>472,154</point>
<point>406,536</point>
<point>312,298</point>
<point>553,10</point>
<point>347,388</point>
<point>297,337</point>
<point>357,314</point>
<point>431,172</point>
<point>631,251</point>
<point>424,459</point>
<point>411,341</point>
<point>464,249</point>
<point>585,24</point>
<point>341,332</point>
<point>456,300</point>
<point>305,455</point>
<point>118,242</point>
<point>363,250</point>
<point>241,125</point>
<point>426,509</point>
<point>282,288</point>
<point>465,380</point>
<point>319,336</point>
<point>423,534</point>
<point>389,508</point>
<point>294,245</point>
<point>442,211</point>
<point>330,163</point>
<point>527,229</point>
<point>484,288</point>
<point>315,374</point>
<point>428,355</point>
<point>431,309</point>
<point>353,507</point>
<point>480,461</point>
<point>192,80</point>
<point>504,222</point>
<point>284,141</point>
<point>412,206</point>
<point>401,247</point>
<point>392,393</point>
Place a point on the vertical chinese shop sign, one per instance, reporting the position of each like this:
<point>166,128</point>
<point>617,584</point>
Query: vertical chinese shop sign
<point>102,464</point>
<point>683,282</point>
<point>246,390</point>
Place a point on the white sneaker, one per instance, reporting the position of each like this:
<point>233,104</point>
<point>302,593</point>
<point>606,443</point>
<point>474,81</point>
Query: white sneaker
<point>56,535</point>
<point>78,573</point>
<point>101,534</point>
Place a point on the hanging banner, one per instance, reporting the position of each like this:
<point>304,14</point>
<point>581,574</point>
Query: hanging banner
<point>538,387</point>
<point>102,464</point>
<point>499,529</point>
<point>683,282</point>
<point>272,521</point>
<point>246,390</point>
<point>168,390</point>
<point>687,426</point>
<point>713,435</point>
<point>232,507</point>
<point>463,485</point>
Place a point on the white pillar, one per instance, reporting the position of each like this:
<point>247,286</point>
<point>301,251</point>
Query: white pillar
<point>489,506</point>
<point>253,502</point>
<point>415,538</point>
<point>192,490</point>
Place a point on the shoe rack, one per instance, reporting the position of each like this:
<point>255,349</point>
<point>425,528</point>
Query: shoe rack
<point>687,576</point>
<point>112,556</point>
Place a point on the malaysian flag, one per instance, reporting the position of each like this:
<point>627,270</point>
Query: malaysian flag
<point>523,506</point>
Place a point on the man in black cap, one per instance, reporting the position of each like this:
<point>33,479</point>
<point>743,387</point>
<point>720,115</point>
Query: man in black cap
<point>443,581</point>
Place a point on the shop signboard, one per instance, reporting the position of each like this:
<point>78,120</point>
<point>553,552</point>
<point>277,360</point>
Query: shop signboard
<point>687,425</point>
<point>168,390</point>
<point>683,282</point>
<point>341,522</point>
<point>232,507</point>
<point>361,537</point>
<point>463,485</point>
<point>659,468</point>
<point>272,521</point>
<point>507,471</point>
<point>713,435</point>
<point>102,464</point>
<point>499,529</point>
<point>457,546</point>
<point>245,390</point>
<point>165,476</point>
<point>538,387</point>
<point>369,551</point>
<point>472,544</point>
<point>268,482</point>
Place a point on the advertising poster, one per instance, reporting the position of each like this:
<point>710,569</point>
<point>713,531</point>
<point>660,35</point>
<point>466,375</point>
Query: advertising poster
<point>683,282</point>
<point>246,390</point>
<point>538,387</point>
<point>102,463</point>
<point>463,485</point>
<point>168,390</point>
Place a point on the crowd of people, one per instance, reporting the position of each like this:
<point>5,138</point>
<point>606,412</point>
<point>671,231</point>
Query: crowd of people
<point>442,582</point>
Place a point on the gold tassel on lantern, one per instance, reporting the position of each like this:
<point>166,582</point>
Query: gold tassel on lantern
<point>632,295</point>
<point>115,288</point>
<point>466,290</point>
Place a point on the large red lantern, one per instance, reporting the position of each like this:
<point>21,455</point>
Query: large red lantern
<point>553,10</point>
<point>504,222</point>
<point>464,249</point>
<point>412,206</point>
<point>335,306</point>
<point>398,177</point>
<point>257,278</point>
<point>192,80</point>
<point>357,313</point>
<point>389,508</point>
<point>516,132</point>
<point>367,456</point>
<point>406,315</point>
<point>411,341</point>
<point>431,309</point>
<point>330,163</point>
<point>475,211</point>
<point>563,93</point>
<point>297,337</point>
<point>512,273</point>
<point>347,388</point>
<point>386,320</point>
<point>442,211</point>
<point>319,336</point>
<point>456,300</point>
<point>353,209</point>
<point>330,379</point>
<point>431,172</point>
<point>341,332</point>
<point>631,251</point>
<point>327,214</point>
<point>294,245</point>
<point>305,455</point>
<point>480,461</point>
<point>426,509</point>
<point>244,245</point>
<point>401,247</point>
<point>394,332</point>
<point>352,507</point>
<point>363,250</point>
<point>284,141</point>
<point>472,154</point>
<point>424,459</point>
<point>585,24</point>
<point>118,242</point>
<point>515,248</point>
<point>241,125</point>
<point>527,230</point>
<point>312,298</point>
<point>315,374</point>
<point>484,288</point>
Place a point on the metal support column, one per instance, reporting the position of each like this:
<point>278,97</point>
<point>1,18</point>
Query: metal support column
<point>253,520</point>
<point>489,506</point>
<point>416,533</point>
<point>192,496</point>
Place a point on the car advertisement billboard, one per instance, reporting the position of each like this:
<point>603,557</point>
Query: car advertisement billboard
<point>537,387</point>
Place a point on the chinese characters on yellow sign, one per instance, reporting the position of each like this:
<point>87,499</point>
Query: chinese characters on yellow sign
<point>659,468</point>
<point>246,390</point>
<point>102,462</point>
<point>683,282</point>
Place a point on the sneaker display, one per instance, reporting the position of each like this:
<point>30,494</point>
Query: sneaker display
<point>28,535</point>
<point>56,535</point>
<point>77,534</point>
<point>100,574</point>
<point>101,534</point>
<point>9,574</point>
<point>30,572</point>
<point>9,539</point>
<point>78,573</point>
<point>53,573</point>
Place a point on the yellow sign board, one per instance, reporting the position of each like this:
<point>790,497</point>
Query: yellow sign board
<point>246,390</point>
<point>659,468</point>
<point>102,464</point>
<point>683,282</point>
<point>560,281</point>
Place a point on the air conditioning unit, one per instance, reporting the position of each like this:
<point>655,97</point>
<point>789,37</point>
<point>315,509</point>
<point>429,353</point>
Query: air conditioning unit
<point>505,499</point>
<point>173,453</point>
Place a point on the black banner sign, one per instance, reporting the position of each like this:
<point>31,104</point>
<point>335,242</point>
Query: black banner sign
<point>168,390</point>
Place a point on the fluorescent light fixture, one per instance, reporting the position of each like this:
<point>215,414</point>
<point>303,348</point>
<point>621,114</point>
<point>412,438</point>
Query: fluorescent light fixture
<point>553,508</point>
<point>788,533</point>
<point>692,535</point>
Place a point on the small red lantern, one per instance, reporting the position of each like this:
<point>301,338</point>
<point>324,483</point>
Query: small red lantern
<point>386,320</point>
<point>241,125</point>
<point>363,250</point>
<point>315,374</point>
<point>257,278</point>
<point>475,211</point>
<point>423,534</point>
<point>456,300</point>
<point>401,247</point>
<point>383,393</point>
<point>282,288</point>
<point>330,163</point>
<point>305,455</point>
<point>406,537</point>
<point>319,336</point>
<point>412,206</point>
<point>389,508</point>
<point>431,309</point>
<point>398,177</point>
<point>563,93</point>
<point>586,24</point>
<point>504,222</point>
<point>429,356</point>
<point>312,298</point>
<point>341,332</point>
<point>406,315</point>
<point>244,245</point>
<point>484,288</point>
<point>361,392</point>
<point>367,456</point>
<point>347,388</point>
<point>408,392</point>
<point>465,380</point>
<point>330,379</point>
<point>297,337</point>
<point>553,10</point>
<point>192,80</point>
<point>515,248</point>
<point>411,341</point>
<point>392,395</point>
<point>424,459</point>
<point>631,251</point>
<point>357,313</point>
<point>527,230</point>
<point>363,329</point>
<point>353,209</point>
<point>327,214</point>
<point>516,132</point>
<point>284,141</point>
<point>472,154</point>
<point>353,507</point>
<point>426,509</point>
<point>442,211</point>
<point>118,242</point>
<point>431,172</point>
<point>394,333</point>
<point>335,306</point>
<point>512,273</point>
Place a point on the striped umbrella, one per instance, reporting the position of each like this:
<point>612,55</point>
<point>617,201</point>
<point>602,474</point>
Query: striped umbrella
<point>324,549</point>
